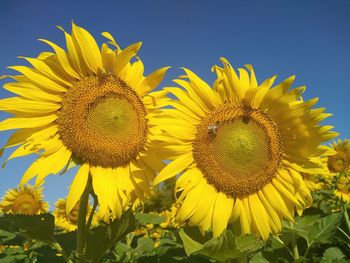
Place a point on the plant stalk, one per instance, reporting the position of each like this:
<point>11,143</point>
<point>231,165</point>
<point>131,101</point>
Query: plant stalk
<point>91,215</point>
<point>295,250</point>
<point>346,217</point>
<point>82,233</point>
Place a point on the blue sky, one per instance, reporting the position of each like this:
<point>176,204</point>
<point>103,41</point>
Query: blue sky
<point>309,39</point>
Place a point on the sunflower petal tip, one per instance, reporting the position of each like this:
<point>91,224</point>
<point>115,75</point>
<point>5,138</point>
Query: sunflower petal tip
<point>4,77</point>
<point>156,181</point>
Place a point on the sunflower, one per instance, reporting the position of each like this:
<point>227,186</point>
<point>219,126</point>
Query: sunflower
<point>68,222</point>
<point>343,189</point>
<point>324,180</point>
<point>25,200</point>
<point>90,107</point>
<point>340,161</point>
<point>241,148</point>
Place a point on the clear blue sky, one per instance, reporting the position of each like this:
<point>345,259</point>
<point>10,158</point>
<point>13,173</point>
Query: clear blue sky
<point>310,39</point>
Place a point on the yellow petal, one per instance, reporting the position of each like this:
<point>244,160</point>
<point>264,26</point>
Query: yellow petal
<point>186,101</point>
<point>87,48</point>
<point>62,58</point>
<point>202,89</point>
<point>17,105</point>
<point>245,224</point>
<point>192,199</point>
<point>111,39</point>
<point>259,216</point>
<point>98,183</point>
<point>30,91</point>
<point>73,55</point>
<point>124,57</point>
<point>107,57</point>
<point>77,187</point>
<point>151,81</point>
<point>277,202</point>
<point>205,202</point>
<point>18,123</point>
<point>174,168</point>
<point>221,214</point>
<point>39,79</point>
<point>45,69</point>
<point>46,165</point>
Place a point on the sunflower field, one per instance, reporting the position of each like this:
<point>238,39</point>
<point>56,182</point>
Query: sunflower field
<point>243,170</point>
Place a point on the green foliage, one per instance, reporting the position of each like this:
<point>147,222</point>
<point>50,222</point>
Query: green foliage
<point>313,228</point>
<point>321,234</point>
<point>103,237</point>
<point>144,219</point>
<point>226,247</point>
<point>333,255</point>
<point>40,227</point>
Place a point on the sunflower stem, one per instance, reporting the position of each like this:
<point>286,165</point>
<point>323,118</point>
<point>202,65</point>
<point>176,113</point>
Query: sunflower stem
<point>81,240</point>
<point>346,217</point>
<point>295,250</point>
<point>243,258</point>
<point>91,215</point>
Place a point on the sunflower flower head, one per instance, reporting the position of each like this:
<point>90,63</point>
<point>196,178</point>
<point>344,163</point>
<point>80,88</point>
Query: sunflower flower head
<point>68,222</point>
<point>340,161</point>
<point>89,106</point>
<point>25,200</point>
<point>342,190</point>
<point>323,181</point>
<point>241,147</point>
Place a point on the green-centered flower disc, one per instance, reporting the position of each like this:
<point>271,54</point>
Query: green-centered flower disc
<point>103,121</point>
<point>238,149</point>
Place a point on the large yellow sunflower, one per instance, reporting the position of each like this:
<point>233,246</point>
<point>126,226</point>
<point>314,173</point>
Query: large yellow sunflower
<point>25,200</point>
<point>87,106</point>
<point>241,147</point>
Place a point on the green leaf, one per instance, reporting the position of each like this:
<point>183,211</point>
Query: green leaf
<point>145,219</point>
<point>333,255</point>
<point>6,236</point>
<point>13,258</point>
<point>227,246</point>
<point>103,237</point>
<point>258,258</point>
<point>190,245</point>
<point>40,227</point>
<point>314,229</point>
<point>68,241</point>
<point>144,245</point>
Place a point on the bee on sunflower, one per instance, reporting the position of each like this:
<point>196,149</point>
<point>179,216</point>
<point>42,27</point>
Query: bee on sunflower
<point>241,148</point>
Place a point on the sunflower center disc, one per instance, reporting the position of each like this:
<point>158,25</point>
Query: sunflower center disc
<point>338,162</point>
<point>103,122</point>
<point>238,149</point>
<point>25,204</point>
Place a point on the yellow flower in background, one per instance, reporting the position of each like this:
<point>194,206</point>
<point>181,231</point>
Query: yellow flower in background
<point>325,179</point>
<point>169,215</point>
<point>87,106</point>
<point>313,182</point>
<point>340,161</point>
<point>25,200</point>
<point>68,222</point>
<point>343,189</point>
<point>242,147</point>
